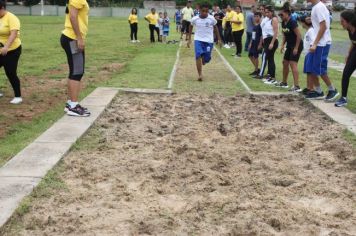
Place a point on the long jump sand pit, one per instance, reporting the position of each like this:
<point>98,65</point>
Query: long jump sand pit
<point>199,165</point>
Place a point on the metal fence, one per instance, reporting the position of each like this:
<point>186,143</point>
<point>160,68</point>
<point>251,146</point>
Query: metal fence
<point>53,10</point>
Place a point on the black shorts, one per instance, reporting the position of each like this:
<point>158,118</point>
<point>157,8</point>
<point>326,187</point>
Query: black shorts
<point>185,26</point>
<point>75,58</point>
<point>289,56</point>
<point>254,52</point>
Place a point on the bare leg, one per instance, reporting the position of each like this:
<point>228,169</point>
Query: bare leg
<point>326,80</point>
<point>256,63</point>
<point>294,67</point>
<point>73,90</point>
<point>310,84</point>
<point>285,71</point>
<point>199,63</point>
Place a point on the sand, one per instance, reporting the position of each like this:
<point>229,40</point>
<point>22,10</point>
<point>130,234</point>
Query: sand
<point>199,165</point>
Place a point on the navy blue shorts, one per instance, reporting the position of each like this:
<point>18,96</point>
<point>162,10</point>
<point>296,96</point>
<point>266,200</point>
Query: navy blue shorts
<point>203,50</point>
<point>320,60</point>
<point>308,64</point>
<point>254,52</point>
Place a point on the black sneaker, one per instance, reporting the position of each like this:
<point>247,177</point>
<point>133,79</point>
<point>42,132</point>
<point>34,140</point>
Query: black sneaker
<point>78,111</point>
<point>281,85</point>
<point>314,95</point>
<point>305,91</point>
<point>341,102</point>
<point>66,108</point>
<point>332,95</point>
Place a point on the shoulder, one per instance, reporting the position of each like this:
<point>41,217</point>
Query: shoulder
<point>12,16</point>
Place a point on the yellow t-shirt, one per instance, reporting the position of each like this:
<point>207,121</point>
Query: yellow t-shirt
<point>187,13</point>
<point>235,26</point>
<point>8,23</point>
<point>229,15</point>
<point>152,18</point>
<point>83,19</point>
<point>133,19</point>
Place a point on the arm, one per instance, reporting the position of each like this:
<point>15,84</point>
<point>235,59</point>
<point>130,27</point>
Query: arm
<point>299,39</point>
<point>319,36</point>
<point>283,43</point>
<point>73,16</point>
<point>275,32</point>
<point>12,37</point>
<point>146,19</point>
<point>190,36</point>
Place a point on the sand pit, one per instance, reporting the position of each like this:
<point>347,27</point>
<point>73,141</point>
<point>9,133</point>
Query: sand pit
<point>197,165</point>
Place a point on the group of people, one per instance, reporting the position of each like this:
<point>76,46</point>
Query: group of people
<point>210,27</point>
<point>262,42</point>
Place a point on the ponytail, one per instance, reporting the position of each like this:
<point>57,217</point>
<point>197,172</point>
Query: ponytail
<point>67,9</point>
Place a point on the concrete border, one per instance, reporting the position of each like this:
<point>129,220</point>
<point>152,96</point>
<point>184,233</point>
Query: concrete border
<point>146,91</point>
<point>174,70</point>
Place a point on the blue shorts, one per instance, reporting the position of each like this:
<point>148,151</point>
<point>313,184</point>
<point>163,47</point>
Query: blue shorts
<point>308,64</point>
<point>319,60</point>
<point>165,33</point>
<point>203,49</point>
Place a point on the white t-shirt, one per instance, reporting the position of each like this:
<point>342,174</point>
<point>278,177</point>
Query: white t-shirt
<point>267,28</point>
<point>308,41</point>
<point>319,14</point>
<point>204,28</point>
<point>187,13</point>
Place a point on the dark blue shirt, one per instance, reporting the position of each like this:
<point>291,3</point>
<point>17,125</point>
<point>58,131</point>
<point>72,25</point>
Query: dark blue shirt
<point>256,35</point>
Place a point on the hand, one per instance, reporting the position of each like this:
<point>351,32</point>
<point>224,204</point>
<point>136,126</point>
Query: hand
<point>4,51</point>
<point>81,44</point>
<point>270,47</point>
<point>312,48</point>
<point>295,51</point>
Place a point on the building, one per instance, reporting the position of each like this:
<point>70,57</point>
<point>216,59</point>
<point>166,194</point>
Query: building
<point>280,3</point>
<point>348,4</point>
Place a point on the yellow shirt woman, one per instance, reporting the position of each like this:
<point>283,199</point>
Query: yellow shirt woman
<point>83,18</point>
<point>9,22</point>
<point>133,18</point>
<point>152,18</point>
<point>238,17</point>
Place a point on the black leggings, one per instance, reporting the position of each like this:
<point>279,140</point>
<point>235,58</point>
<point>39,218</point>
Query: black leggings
<point>134,29</point>
<point>268,57</point>
<point>228,33</point>
<point>153,28</point>
<point>350,67</point>
<point>75,58</point>
<point>238,40</point>
<point>10,63</point>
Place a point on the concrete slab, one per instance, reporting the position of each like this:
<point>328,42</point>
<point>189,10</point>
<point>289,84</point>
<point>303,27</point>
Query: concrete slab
<point>12,191</point>
<point>339,114</point>
<point>35,160</point>
<point>274,93</point>
<point>145,91</point>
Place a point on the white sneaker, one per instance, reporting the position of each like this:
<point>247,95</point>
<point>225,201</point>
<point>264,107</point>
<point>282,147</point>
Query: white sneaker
<point>16,100</point>
<point>133,41</point>
<point>226,46</point>
<point>138,41</point>
<point>1,94</point>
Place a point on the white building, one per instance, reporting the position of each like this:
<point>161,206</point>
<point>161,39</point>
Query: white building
<point>348,4</point>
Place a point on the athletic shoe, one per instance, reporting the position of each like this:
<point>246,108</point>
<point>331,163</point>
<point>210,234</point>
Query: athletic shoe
<point>281,85</point>
<point>295,89</point>
<point>305,91</point>
<point>78,111</point>
<point>227,46</point>
<point>332,95</point>
<point>314,95</point>
<point>133,41</point>
<point>341,102</point>
<point>271,81</point>
<point>1,94</point>
<point>16,100</point>
<point>138,41</point>
<point>66,108</point>
<point>266,78</point>
<point>238,55</point>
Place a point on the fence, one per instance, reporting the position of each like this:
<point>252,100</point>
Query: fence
<point>53,10</point>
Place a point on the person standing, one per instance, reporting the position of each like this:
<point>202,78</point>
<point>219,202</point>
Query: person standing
<point>219,16</point>
<point>237,27</point>
<point>10,49</point>
<point>178,20</point>
<point>227,27</point>
<point>270,44</point>
<point>205,27</point>
<point>255,45</point>
<point>73,42</point>
<point>292,41</point>
<point>348,22</point>
<point>152,19</point>
<point>133,21</point>
<point>188,14</point>
<point>250,19</point>
<point>320,17</point>
<point>165,27</point>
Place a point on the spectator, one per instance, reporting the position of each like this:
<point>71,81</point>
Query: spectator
<point>250,23</point>
<point>133,21</point>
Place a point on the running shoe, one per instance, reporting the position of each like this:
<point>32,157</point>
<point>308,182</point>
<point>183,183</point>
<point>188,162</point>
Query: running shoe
<point>226,46</point>
<point>66,108</point>
<point>305,91</point>
<point>341,102</point>
<point>295,89</point>
<point>314,95</point>
<point>16,100</point>
<point>281,85</point>
<point>271,81</point>
<point>332,95</point>
<point>78,111</point>
<point>238,55</point>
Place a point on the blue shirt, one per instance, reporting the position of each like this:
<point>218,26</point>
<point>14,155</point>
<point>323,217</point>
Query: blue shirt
<point>250,22</point>
<point>178,16</point>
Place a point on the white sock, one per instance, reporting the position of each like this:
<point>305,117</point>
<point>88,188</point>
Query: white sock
<point>73,104</point>
<point>318,89</point>
<point>331,88</point>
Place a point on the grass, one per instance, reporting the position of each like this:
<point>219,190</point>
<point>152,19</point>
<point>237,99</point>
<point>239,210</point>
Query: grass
<point>145,66</point>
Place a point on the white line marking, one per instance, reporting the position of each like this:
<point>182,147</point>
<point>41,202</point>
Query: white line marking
<point>234,72</point>
<point>174,70</point>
